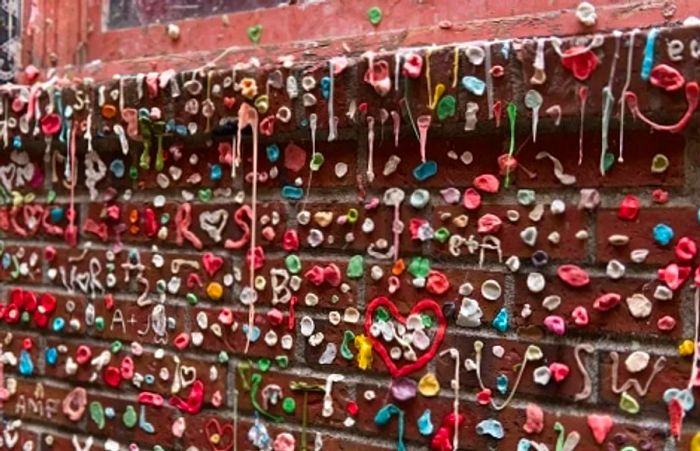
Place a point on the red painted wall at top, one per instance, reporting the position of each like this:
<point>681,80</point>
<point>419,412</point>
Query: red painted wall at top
<point>80,39</point>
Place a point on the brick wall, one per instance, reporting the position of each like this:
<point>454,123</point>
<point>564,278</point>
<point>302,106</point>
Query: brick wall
<point>134,334</point>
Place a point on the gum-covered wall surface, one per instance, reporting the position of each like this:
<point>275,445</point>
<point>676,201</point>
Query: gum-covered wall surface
<point>487,245</point>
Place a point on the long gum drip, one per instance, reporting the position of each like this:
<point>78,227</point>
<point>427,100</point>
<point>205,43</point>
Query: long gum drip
<point>628,79</point>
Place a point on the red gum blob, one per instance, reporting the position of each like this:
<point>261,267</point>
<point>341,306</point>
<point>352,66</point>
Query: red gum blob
<point>607,302</point>
<point>666,77</point>
<point>629,208</point>
<point>489,223</point>
<point>487,183</point>
<point>581,64</point>
<point>573,276</point>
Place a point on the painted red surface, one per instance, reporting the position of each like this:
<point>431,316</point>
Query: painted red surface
<point>71,36</point>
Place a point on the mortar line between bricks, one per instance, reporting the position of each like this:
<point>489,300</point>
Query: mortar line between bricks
<point>645,270</point>
<point>561,408</point>
<point>610,343</point>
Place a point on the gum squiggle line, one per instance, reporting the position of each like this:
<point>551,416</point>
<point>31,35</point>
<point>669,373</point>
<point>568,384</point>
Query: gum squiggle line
<point>332,121</point>
<point>608,99</point>
<point>478,348</point>
<point>248,116</point>
<point>692,95</point>
<point>489,77</point>
<point>587,387</point>
<point>631,382</point>
<point>583,99</point>
<point>625,88</point>
<point>455,69</point>
<point>370,149</point>
<point>313,123</point>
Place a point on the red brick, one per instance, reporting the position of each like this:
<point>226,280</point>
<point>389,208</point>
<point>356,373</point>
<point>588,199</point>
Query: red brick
<point>616,321</point>
<point>675,374</point>
<point>28,222</point>
<point>29,403</point>
<point>492,366</point>
<point>334,334</point>
<point>640,147</point>
<point>451,173</point>
<point>382,216</point>
<point>160,417</point>
<point>407,295</point>
<point>29,255</point>
<point>334,152</point>
<point>640,232</point>
<point>329,297</point>
<point>234,342</point>
<point>314,399</point>
<point>566,224</point>
<point>20,436</point>
<point>145,364</point>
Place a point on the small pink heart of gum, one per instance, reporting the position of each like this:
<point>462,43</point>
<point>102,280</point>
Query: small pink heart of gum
<point>211,263</point>
<point>600,426</point>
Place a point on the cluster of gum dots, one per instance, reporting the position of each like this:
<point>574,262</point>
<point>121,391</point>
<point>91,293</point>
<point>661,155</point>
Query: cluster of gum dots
<point>384,335</point>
